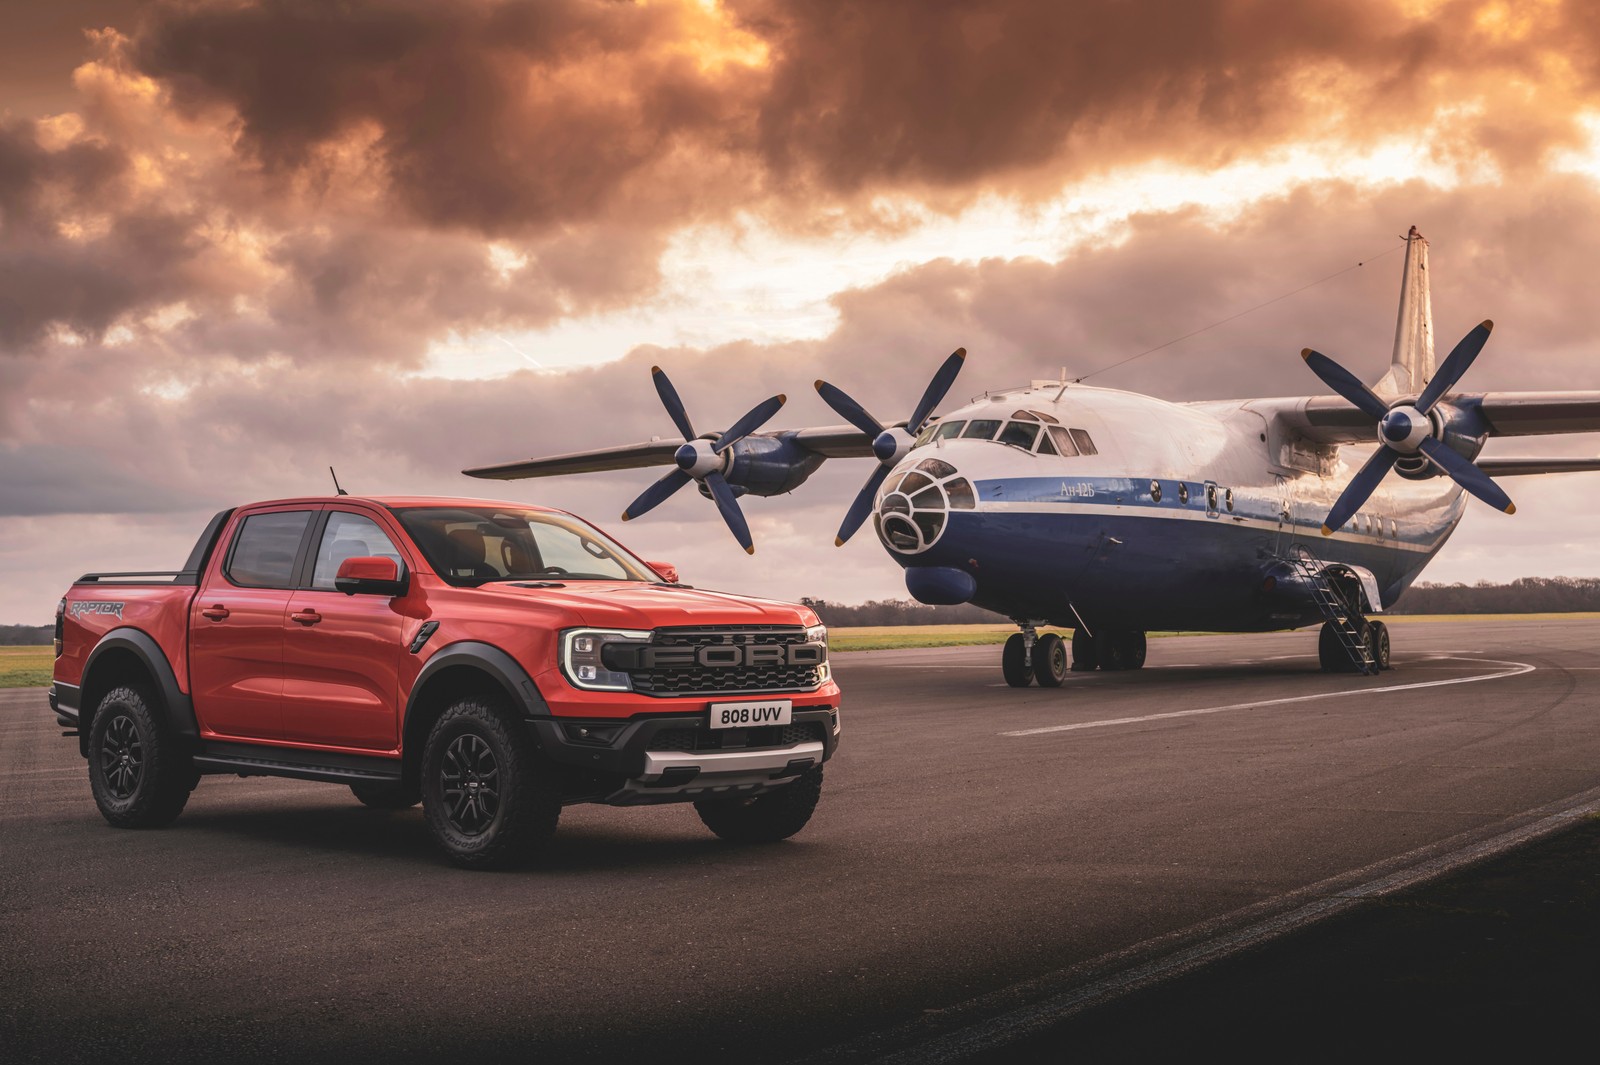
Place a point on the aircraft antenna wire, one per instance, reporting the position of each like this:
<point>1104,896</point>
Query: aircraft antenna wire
<point>1241,314</point>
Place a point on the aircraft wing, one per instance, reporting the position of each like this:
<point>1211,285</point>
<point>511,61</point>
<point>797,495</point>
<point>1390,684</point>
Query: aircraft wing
<point>1514,467</point>
<point>829,441</point>
<point>625,457</point>
<point>1541,413</point>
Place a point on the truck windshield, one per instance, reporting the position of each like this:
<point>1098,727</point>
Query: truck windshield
<point>469,546</point>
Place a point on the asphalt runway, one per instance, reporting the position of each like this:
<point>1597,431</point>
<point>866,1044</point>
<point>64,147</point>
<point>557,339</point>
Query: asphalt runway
<point>978,850</point>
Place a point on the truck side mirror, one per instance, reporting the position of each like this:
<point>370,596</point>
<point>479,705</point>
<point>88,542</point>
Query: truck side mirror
<point>668,571</point>
<point>370,575</point>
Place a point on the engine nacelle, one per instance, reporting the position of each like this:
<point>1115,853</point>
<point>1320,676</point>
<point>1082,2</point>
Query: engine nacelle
<point>770,466</point>
<point>1460,426</point>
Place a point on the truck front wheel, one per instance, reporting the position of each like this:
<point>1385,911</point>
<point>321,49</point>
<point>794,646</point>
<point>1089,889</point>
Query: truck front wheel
<point>139,776</point>
<point>764,818</point>
<point>488,799</point>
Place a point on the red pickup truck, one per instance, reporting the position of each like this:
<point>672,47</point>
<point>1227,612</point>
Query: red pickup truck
<point>494,661</point>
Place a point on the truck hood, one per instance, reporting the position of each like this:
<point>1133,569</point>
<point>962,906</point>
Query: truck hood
<point>636,605</point>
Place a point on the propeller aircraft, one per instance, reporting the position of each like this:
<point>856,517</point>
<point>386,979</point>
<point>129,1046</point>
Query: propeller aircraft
<point>1114,513</point>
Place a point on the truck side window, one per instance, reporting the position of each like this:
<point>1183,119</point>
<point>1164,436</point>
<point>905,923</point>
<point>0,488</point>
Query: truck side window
<point>345,536</point>
<point>265,549</point>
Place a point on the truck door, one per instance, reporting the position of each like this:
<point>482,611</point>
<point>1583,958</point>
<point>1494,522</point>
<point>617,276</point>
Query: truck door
<point>236,626</point>
<point>342,652</point>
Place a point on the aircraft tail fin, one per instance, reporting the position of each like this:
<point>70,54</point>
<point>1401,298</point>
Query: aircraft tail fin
<point>1411,366</point>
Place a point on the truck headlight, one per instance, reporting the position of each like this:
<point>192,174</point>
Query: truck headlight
<point>583,658</point>
<point>819,634</point>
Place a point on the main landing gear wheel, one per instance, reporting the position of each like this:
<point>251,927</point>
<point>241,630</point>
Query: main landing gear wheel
<point>139,776</point>
<point>1333,652</point>
<point>488,798</point>
<point>1118,649</point>
<point>1050,660</point>
<point>1380,645</point>
<point>1084,657</point>
<point>1014,661</point>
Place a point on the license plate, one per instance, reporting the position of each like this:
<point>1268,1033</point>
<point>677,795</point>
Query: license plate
<point>750,715</point>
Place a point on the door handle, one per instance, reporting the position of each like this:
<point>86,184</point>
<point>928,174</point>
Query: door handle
<point>306,617</point>
<point>215,613</point>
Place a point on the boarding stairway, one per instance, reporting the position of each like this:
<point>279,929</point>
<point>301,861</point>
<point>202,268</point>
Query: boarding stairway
<point>1333,607</point>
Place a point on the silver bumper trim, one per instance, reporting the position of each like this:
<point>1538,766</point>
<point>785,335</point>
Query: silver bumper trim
<point>717,763</point>
<point>711,773</point>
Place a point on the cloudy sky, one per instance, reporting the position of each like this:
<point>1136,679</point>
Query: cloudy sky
<point>242,240</point>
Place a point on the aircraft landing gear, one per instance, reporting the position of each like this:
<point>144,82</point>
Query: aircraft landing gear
<point>1111,649</point>
<point>1014,658</point>
<point>1334,645</point>
<point>1050,661</point>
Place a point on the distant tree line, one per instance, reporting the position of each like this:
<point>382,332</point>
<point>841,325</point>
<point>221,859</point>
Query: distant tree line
<point>1527,595</point>
<point>26,635</point>
<point>900,612</point>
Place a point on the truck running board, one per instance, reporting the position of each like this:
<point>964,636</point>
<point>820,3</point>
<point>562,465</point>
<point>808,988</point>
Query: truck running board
<point>250,760</point>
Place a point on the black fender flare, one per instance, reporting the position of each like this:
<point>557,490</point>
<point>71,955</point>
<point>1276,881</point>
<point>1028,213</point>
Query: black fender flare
<point>485,658</point>
<point>176,707</point>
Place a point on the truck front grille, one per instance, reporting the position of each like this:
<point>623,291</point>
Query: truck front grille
<point>727,680</point>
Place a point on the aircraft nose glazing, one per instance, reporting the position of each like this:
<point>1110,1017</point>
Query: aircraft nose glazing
<point>914,506</point>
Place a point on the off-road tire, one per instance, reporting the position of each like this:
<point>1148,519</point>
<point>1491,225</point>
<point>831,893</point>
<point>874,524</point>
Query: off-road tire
<point>1084,658</point>
<point>765,818</point>
<point>394,796</point>
<point>512,811</point>
<point>1014,662</point>
<point>138,771</point>
<point>1050,666</point>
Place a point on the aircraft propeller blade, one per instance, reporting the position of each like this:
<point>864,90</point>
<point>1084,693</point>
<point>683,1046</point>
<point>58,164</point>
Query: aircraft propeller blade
<point>1455,364</point>
<point>1468,476</point>
<point>670,400</point>
<point>848,409</point>
<point>888,443</point>
<point>723,495</point>
<point>942,380</point>
<point>755,419</point>
<point>1345,383</point>
<point>1361,486</point>
<point>656,494</point>
<point>861,507</point>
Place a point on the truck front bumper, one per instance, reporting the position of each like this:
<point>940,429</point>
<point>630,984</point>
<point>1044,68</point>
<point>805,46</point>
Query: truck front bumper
<point>661,758</point>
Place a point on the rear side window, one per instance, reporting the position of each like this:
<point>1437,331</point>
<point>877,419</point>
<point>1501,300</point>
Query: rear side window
<point>265,548</point>
<point>349,536</point>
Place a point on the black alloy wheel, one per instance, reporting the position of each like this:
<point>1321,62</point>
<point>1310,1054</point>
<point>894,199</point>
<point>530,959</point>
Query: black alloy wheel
<point>1050,665</point>
<point>121,756</point>
<point>1014,662</point>
<point>470,779</point>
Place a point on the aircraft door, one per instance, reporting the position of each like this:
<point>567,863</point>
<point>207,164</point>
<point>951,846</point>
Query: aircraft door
<point>1286,531</point>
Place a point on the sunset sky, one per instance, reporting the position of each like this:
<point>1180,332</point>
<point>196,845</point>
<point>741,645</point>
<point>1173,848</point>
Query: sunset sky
<point>241,241</point>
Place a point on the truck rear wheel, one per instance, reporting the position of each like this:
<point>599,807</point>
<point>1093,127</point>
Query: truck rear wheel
<point>138,774</point>
<point>488,799</point>
<point>764,818</point>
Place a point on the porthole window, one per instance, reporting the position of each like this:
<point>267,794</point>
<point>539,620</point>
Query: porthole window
<point>1394,530</point>
<point>1183,492</point>
<point>1227,499</point>
<point>1155,491</point>
<point>1211,497</point>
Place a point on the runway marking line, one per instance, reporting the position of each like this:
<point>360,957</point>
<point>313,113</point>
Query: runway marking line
<point>1517,668</point>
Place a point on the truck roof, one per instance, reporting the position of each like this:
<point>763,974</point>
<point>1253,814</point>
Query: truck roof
<point>402,501</point>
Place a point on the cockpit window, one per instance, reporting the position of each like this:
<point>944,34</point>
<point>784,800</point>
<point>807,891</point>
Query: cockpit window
<point>1063,440</point>
<point>1025,415</point>
<point>949,430</point>
<point>981,429</point>
<point>1020,434</point>
<point>1045,446</point>
<point>926,435</point>
<point>1043,417</point>
<point>1085,445</point>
